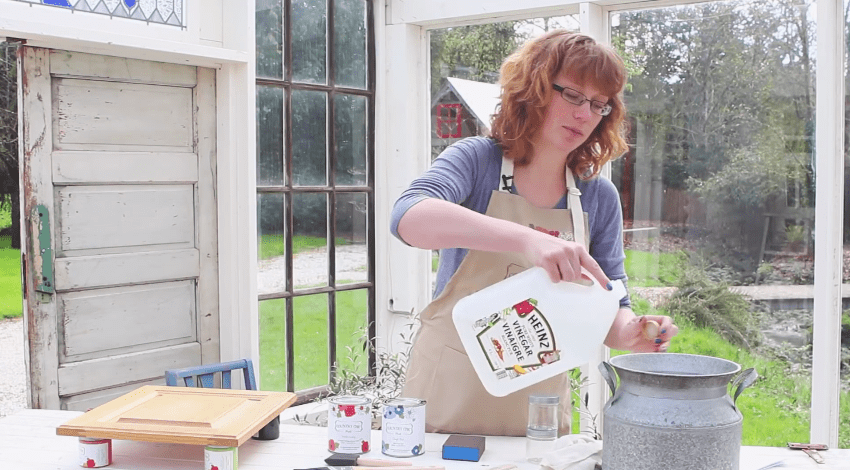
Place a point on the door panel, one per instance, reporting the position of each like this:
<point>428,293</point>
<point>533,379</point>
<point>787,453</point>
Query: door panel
<point>82,376</point>
<point>98,115</point>
<point>118,161</point>
<point>102,322</point>
<point>125,216</point>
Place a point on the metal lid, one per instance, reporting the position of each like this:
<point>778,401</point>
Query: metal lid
<point>543,399</point>
<point>349,400</point>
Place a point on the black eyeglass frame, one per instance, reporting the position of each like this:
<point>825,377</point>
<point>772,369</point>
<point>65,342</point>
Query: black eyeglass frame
<point>605,108</point>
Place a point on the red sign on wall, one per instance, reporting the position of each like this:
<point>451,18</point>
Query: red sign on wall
<point>449,118</point>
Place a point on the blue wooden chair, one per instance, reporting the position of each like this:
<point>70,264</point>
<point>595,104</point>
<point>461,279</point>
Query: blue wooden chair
<point>206,375</point>
<point>206,379</point>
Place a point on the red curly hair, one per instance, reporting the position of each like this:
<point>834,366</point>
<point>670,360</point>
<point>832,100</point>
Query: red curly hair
<point>526,78</point>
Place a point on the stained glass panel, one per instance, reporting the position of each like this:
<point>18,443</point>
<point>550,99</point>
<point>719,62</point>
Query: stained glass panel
<point>152,11</point>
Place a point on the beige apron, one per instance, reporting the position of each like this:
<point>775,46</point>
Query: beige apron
<point>440,371</point>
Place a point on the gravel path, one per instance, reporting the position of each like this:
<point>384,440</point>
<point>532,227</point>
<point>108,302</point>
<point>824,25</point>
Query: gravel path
<point>13,387</point>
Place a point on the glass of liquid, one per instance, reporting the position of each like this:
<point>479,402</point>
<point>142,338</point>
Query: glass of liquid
<point>542,430</point>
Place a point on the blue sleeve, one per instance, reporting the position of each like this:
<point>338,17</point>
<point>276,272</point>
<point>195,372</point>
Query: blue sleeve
<point>452,177</point>
<point>606,237</point>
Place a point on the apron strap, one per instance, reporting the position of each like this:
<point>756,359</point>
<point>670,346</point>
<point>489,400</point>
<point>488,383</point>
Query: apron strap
<point>506,177</point>
<point>574,206</point>
<point>506,180</point>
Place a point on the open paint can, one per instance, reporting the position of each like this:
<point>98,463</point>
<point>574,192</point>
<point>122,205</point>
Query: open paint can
<point>221,458</point>
<point>403,427</point>
<point>349,424</point>
<point>95,452</point>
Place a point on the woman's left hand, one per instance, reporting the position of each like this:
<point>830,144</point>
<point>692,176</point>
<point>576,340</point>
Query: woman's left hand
<point>646,333</point>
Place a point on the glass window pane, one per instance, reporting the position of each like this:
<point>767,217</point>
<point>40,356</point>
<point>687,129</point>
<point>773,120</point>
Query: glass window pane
<point>717,190</point>
<point>270,150</point>
<point>271,256</point>
<point>352,261</point>
<point>351,134</point>
<point>269,38</point>
<point>472,56</point>
<point>350,43</point>
<point>309,138</point>
<point>273,345</point>
<point>309,41</point>
<point>310,240</point>
<point>351,330</point>
<point>310,327</point>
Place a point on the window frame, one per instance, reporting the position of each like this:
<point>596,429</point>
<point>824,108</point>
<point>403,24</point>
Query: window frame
<point>407,20</point>
<point>330,189</point>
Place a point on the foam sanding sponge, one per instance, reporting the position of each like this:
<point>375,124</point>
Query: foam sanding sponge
<point>460,447</point>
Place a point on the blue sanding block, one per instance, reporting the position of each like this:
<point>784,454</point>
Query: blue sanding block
<point>460,447</point>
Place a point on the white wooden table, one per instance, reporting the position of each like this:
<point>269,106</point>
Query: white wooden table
<point>28,441</point>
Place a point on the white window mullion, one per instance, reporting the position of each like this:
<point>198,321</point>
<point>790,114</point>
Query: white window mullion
<point>826,358</point>
<point>593,19</point>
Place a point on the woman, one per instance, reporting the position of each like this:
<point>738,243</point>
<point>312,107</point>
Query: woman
<point>492,205</point>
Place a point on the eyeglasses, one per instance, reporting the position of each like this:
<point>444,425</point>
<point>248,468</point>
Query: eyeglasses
<point>577,98</point>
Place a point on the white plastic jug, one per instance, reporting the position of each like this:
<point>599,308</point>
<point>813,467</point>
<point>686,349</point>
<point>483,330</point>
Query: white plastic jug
<point>526,328</point>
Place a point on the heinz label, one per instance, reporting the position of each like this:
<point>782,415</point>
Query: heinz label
<point>516,340</point>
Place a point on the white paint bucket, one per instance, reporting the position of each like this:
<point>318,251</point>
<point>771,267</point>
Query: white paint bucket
<point>221,458</point>
<point>349,424</point>
<point>95,452</point>
<point>403,427</point>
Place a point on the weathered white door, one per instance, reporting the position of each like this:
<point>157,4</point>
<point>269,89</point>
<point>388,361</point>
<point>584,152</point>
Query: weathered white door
<point>119,212</point>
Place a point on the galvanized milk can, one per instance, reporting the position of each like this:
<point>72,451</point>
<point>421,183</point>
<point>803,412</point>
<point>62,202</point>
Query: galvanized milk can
<point>672,411</point>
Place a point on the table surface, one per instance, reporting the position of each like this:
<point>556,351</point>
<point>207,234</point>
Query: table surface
<point>28,441</point>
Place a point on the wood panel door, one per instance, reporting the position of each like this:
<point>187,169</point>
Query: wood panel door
<point>119,213</point>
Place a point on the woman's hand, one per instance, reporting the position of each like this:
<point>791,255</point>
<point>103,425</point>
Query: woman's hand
<point>647,333</point>
<point>563,260</point>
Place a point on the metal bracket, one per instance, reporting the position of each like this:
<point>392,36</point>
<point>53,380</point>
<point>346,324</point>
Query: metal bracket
<point>810,449</point>
<point>44,279</point>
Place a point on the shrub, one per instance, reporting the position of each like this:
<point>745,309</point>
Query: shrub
<point>711,304</point>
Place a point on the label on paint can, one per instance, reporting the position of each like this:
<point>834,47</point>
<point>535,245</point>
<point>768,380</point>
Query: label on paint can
<point>403,428</point>
<point>220,458</point>
<point>95,452</point>
<point>349,424</point>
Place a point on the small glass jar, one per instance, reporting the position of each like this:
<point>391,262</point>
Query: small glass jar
<point>542,430</point>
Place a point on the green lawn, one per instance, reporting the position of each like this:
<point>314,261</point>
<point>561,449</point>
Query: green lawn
<point>311,341</point>
<point>11,304</point>
<point>653,269</point>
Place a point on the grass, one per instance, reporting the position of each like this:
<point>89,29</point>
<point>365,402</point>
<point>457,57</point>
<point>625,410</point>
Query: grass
<point>647,269</point>
<point>311,341</point>
<point>11,303</point>
<point>272,246</point>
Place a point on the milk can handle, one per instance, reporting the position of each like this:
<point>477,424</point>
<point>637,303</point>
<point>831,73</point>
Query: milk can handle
<point>609,375</point>
<point>742,381</point>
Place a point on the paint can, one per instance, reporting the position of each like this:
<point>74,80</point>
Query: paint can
<point>95,452</point>
<point>349,424</point>
<point>221,458</point>
<point>403,428</point>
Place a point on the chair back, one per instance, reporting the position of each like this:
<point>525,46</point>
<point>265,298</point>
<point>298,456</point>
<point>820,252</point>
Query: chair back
<point>206,375</point>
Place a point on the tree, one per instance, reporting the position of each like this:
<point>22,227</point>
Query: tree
<point>9,188</point>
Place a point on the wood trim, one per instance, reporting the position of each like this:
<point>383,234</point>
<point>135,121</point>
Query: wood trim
<point>70,64</point>
<point>35,103</point>
<point>826,342</point>
<point>127,268</point>
<point>125,167</point>
<point>207,219</point>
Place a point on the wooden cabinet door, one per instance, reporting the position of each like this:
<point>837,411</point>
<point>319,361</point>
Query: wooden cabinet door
<point>119,213</point>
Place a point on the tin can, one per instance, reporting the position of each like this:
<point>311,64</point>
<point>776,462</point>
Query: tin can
<point>349,424</point>
<point>95,452</point>
<point>403,429</point>
<point>221,458</point>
